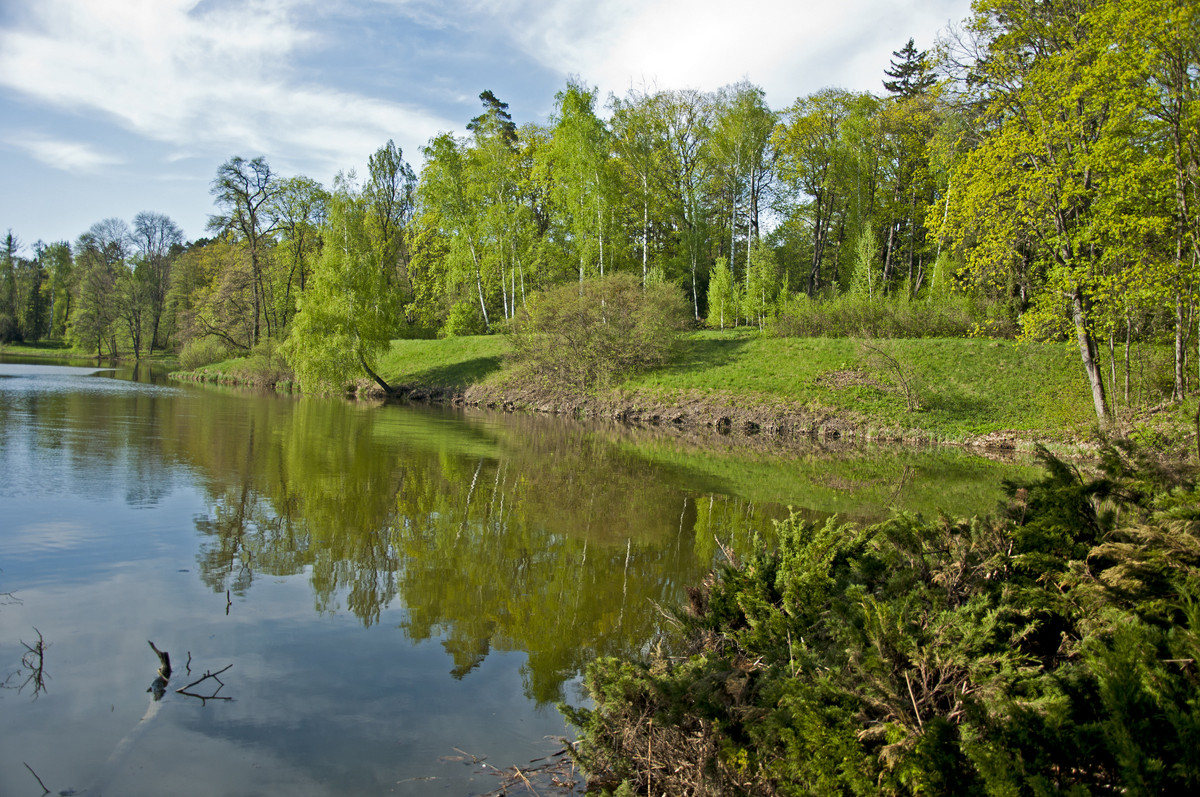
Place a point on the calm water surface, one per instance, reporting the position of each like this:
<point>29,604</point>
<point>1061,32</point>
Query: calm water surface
<point>391,586</point>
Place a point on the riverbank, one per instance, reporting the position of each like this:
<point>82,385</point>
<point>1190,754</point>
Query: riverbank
<point>971,392</point>
<point>57,350</point>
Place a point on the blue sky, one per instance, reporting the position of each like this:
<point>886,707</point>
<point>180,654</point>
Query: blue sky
<point>111,107</point>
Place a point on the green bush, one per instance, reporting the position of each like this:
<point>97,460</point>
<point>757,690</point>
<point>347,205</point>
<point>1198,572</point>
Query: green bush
<point>265,366</point>
<point>587,334</point>
<point>1050,649</point>
<point>200,352</point>
<point>465,318</point>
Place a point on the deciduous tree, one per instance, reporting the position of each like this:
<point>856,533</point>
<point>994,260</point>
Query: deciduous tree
<point>158,241</point>
<point>243,191</point>
<point>351,311</point>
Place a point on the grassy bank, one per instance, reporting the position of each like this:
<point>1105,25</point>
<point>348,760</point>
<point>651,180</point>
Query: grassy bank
<point>252,372</point>
<point>58,350</point>
<point>957,390</point>
<point>946,387</point>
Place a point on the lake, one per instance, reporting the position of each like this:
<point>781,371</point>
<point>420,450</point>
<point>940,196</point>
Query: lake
<point>397,592</point>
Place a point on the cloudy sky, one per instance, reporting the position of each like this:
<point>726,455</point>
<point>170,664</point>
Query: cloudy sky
<point>110,107</point>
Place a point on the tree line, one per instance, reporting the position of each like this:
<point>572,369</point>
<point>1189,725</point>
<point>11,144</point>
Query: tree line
<point>1043,161</point>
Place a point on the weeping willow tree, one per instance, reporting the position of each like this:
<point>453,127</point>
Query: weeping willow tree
<point>350,313</point>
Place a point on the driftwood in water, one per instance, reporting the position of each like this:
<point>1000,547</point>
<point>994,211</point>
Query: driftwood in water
<point>159,687</point>
<point>203,698</point>
<point>33,667</point>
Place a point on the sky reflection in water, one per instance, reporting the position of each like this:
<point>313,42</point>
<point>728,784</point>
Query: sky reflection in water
<point>389,583</point>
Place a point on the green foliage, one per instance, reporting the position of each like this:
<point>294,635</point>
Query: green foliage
<point>351,311</point>
<point>1048,189</point>
<point>864,279</point>
<point>590,334</point>
<point>464,319</point>
<point>762,285</point>
<point>724,297</point>
<point>1051,648</point>
<point>200,352</point>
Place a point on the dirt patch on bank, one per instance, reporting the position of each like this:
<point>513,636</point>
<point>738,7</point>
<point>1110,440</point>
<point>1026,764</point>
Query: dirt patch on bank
<point>748,420</point>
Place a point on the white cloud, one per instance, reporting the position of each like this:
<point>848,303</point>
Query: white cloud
<point>198,77</point>
<point>789,48</point>
<point>39,537</point>
<point>67,156</point>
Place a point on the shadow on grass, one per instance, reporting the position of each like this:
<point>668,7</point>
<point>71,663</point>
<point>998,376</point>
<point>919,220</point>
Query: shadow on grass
<point>956,404</point>
<point>703,354</point>
<point>457,374</point>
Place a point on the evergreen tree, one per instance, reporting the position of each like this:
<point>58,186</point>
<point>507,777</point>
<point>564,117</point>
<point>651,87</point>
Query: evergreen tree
<point>911,74</point>
<point>494,119</point>
<point>9,328</point>
<point>34,326</point>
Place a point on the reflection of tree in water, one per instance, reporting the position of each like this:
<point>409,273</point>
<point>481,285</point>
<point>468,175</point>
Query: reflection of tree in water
<point>543,539</point>
<point>248,537</point>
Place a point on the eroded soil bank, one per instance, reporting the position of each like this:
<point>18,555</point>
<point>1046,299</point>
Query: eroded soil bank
<point>747,418</point>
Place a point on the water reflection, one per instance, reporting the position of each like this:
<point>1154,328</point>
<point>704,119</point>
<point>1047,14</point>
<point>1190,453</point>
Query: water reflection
<point>494,533</point>
<point>388,582</point>
<point>507,533</point>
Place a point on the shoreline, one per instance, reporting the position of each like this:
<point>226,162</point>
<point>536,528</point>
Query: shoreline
<point>747,418</point>
<point>743,418</point>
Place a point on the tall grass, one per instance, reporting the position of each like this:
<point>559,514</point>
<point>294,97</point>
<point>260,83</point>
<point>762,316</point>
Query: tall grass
<point>859,316</point>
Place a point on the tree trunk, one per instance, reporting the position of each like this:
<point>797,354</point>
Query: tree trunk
<point>1180,354</point>
<point>645,231</point>
<point>819,236</point>
<point>1087,351</point>
<point>1128,343</point>
<point>887,257</point>
<point>479,287</point>
<point>374,376</point>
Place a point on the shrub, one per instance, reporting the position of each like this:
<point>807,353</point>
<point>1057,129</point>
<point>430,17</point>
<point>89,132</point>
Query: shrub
<point>588,333</point>
<point>1050,648</point>
<point>200,352</point>
<point>464,318</point>
<point>265,365</point>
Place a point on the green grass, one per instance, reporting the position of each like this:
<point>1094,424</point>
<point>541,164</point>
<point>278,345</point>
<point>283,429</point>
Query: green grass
<point>451,362</point>
<point>58,350</point>
<point>962,387</point>
<point>50,348</point>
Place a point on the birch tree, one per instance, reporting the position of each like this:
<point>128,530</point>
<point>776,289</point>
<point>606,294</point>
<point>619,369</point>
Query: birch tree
<point>298,211</point>
<point>1030,188</point>
<point>686,120</point>
<point>446,194</point>
<point>583,179</point>
<point>639,136</point>
<point>743,150</point>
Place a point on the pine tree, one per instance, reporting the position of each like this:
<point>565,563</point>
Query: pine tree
<point>496,116</point>
<point>912,73</point>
